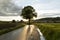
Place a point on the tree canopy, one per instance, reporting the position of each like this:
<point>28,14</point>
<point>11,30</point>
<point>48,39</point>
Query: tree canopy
<point>28,12</point>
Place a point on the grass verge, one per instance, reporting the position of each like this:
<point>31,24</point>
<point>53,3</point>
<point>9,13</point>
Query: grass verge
<point>51,31</point>
<point>6,30</point>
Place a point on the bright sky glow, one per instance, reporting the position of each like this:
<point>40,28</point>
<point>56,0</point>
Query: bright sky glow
<point>10,18</point>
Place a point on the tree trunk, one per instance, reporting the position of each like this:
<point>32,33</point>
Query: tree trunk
<point>29,22</point>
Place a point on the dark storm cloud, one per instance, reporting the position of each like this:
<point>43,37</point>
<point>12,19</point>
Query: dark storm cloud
<point>9,9</point>
<point>2,14</point>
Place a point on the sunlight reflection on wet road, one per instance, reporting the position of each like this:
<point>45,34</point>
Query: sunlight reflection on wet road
<point>25,33</point>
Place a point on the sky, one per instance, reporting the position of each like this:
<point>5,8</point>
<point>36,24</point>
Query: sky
<point>44,8</point>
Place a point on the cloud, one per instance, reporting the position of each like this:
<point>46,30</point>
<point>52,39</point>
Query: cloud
<point>13,7</point>
<point>7,8</point>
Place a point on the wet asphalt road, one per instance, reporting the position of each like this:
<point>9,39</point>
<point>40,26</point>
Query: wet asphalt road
<point>25,33</point>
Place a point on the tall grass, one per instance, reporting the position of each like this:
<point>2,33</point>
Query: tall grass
<point>51,31</point>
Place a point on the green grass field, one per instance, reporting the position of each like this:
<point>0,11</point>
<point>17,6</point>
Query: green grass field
<point>51,31</point>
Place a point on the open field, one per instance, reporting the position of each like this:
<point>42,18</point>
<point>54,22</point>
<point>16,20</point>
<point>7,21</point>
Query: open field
<point>9,26</point>
<point>51,31</point>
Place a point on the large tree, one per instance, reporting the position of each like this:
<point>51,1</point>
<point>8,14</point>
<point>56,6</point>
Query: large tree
<point>28,12</point>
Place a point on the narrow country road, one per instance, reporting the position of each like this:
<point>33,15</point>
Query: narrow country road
<point>25,33</point>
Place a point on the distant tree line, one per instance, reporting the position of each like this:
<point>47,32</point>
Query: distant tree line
<point>53,20</point>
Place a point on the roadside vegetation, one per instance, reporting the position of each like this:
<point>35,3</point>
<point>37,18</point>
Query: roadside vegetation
<point>10,26</point>
<point>51,31</point>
